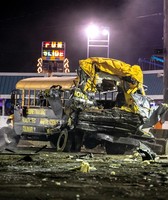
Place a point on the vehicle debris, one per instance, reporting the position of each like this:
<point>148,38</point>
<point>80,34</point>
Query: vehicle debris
<point>27,157</point>
<point>87,155</point>
<point>85,167</point>
<point>105,104</point>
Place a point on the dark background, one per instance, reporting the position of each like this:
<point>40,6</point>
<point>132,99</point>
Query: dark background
<point>136,29</point>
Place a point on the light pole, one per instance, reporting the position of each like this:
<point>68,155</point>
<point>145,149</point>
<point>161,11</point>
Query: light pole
<point>165,78</point>
<point>97,37</point>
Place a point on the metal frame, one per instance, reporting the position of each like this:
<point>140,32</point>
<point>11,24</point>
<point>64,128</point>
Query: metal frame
<point>102,43</point>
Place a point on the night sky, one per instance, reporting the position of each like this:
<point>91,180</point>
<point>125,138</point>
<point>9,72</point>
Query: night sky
<point>136,29</point>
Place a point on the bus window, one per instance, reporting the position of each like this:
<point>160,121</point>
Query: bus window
<point>32,97</point>
<point>31,88</point>
<point>36,97</point>
<point>26,97</point>
<point>16,97</point>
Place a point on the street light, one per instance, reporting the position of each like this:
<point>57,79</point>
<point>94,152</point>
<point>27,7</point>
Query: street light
<point>97,37</point>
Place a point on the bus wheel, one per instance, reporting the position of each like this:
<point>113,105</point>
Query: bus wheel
<point>64,141</point>
<point>8,137</point>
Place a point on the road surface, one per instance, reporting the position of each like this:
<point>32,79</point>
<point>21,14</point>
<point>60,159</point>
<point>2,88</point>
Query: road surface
<point>49,175</point>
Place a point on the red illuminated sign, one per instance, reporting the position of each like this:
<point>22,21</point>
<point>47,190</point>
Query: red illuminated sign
<point>53,51</point>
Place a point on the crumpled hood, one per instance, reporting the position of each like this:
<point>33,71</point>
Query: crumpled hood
<point>111,66</point>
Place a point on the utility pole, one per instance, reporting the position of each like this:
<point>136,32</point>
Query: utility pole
<point>165,52</point>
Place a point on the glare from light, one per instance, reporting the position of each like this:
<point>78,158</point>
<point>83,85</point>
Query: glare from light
<point>92,31</point>
<point>97,37</point>
<point>105,32</point>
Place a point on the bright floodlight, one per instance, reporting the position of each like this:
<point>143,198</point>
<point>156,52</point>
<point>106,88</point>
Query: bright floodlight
<point>97,37</point>
<point>92,31</point>
<point>105,31</point>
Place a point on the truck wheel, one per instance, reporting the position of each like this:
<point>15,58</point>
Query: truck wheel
<point>8,137</point>
<point>114,148</point>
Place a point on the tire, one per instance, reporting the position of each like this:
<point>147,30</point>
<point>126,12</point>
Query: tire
<point>8,138</point>
<point>61,141</point>
<point>115,148</point>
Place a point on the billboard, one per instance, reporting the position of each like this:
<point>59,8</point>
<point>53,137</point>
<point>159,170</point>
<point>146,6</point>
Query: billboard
<point>53,51</point>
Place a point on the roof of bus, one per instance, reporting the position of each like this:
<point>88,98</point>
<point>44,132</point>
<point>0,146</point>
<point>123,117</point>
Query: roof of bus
<point>42,83</point>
